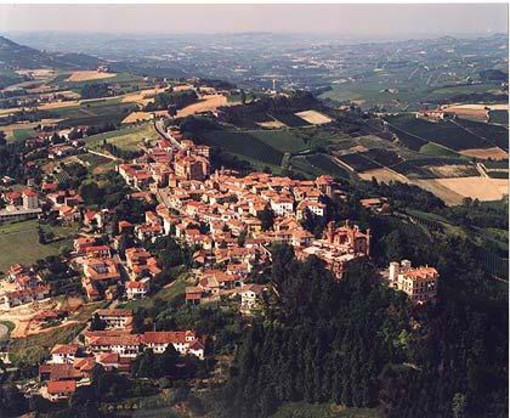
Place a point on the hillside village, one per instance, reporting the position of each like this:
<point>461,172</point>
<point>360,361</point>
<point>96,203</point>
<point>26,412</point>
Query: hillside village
<point>183,244</point>
<point>230,221</point>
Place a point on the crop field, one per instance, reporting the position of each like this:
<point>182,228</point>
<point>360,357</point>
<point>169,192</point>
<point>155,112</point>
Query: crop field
<point>413,171</point>
<point>245,144</point>
<point>495,135</point>
<point>290,119</point>
<point>19,243</point>
<point>435,150</point>
<point>498,174</point>
<point>314,117</point>
<point>478,114</point>
<point>383,157</point>
<point>89,75</point>
<point>284,141</point>
<point>122,79</point>
<point>448,134</point>
<point>452,170</point>
<point>95,141</point>
<point>97,114</point>
<point>384,175</point>
<point>208,103</point>
<point>358,163</point>
<point>481,188</point>
<point>135,117</point>
<point>485,153</point>
<point>429,168</point>
<point>271,124</point>
<point>411,141</point>
<point>499,117</point>
<point>325,165</point>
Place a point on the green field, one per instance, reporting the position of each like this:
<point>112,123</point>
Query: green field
<point>447,134</point>
<point>499,117</point>
<point>22,134</point>
<point>127,138</point>
<point>130,141</point>
<point>245,144</point>
<point>94,112</point>
<point>19,243</point>
<point>435,150</point>
<point>282,140</point>
<point>413,89</point>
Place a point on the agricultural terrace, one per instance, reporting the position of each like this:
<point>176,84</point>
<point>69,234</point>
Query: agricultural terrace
<point>262,145</point>
<point>451,135</point>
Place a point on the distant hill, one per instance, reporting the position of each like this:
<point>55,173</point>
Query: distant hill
<point>13,56</point>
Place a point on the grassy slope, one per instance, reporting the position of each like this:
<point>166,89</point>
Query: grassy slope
<point>19,243</point>
<point>122,137</point>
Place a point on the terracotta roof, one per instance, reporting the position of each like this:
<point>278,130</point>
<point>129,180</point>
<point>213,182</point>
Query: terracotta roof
<point>166,337</point>
<point>67,386</point>
<point>115,312</point>
<point>65,349</point>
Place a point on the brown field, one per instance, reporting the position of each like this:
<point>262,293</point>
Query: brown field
<point>142,97</point>
<point>384,175</point>
<point>479,106</point>
<point>272,124</point>
<point>89,75</point>
<point>208,103</point>
<point>137,117</point>
<point>314,117</point>
<point>481,188</point>
<point>451,170</point>
<point>59,105</point>
<point>475,112</point>
<point>10,111</point>
<point>182,87</point>
<point>495,153</point>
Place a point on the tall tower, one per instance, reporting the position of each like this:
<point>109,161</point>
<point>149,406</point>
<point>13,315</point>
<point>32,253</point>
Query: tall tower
<point>274,85</point>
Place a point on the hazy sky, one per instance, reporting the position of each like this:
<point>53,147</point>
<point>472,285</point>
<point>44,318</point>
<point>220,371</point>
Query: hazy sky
<point>356,20</point>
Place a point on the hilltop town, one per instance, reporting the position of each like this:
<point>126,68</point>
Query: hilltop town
<point>227,221</point>
<point>185,245</point>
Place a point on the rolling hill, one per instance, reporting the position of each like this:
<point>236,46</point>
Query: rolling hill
<point>13,56</point>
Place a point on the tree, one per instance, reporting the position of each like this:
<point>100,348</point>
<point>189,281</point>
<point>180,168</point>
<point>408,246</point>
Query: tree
<point>266,217</point>
<point>91,192</point>
<point>97,324</point>
<point>459,405</point>
<point>12,401</point>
